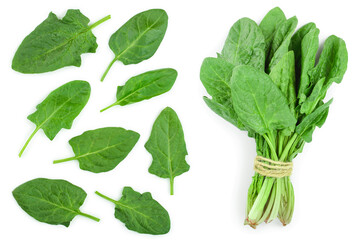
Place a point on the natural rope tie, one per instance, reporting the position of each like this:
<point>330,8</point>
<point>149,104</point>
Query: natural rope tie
<point>271,168</point>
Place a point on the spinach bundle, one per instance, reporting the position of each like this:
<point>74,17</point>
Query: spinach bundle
<point>267,82</point>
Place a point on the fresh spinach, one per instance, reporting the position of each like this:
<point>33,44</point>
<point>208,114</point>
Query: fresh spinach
<point>245,44</point>
<point>145,86</point>
<point>279,101</point>
<point>102,149</point>
<point>167,147</point>
<point>56,43</point>
<point>51,201</point>
<point>59,109</point>
<point>140,212</point>
<point>139,38</point>
<point>258,102</point>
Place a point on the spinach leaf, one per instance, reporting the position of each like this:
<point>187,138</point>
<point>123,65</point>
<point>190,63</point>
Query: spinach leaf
<point>331,68</point>
<point>283,75</point>
<point>281,41</point>
<point>102,149</point>
<point>139,38</point>
<point>51,201</point>
<point>269,24</point>
<point>145,86</point>
<point>296,45</point>
<point>258,102</point>
<point>215,75</point>
<point>59,109</point>
<point>332,63</point>
<point>308,50</point>
<point>140,212</point>
<point>245,44</point>
<point>167,147</point>
<point>225,110</point>
<point>56,43</point>
<point>317,118</point>
<point>312,100</point>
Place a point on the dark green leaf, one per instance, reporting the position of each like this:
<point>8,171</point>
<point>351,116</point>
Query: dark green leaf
<point>139,38</point>
<point>306,62</point>
<point>140,212</point>
<point>281,41</point>
<point>226,111</point>
<point>51,201</point>
<point>167,147</point>
<point>259,104</point>
<point>317,118</point>
<point>312,100</point>
<point>145,86</point>
<point>331,68</point>
<point>269,24</point>
<point>245,44</point>
<point>296,43</point>
<point>332,63</point>
<point>56,43</point>
<point>59,109</point>
<point>102,149</point>
<point>215,74</point>
<point>283,75</point>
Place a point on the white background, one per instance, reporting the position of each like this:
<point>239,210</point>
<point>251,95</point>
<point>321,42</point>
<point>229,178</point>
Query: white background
<point>210,199</point>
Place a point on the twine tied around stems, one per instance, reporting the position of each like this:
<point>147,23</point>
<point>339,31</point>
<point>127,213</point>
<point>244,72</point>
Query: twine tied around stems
<point>270,168</point>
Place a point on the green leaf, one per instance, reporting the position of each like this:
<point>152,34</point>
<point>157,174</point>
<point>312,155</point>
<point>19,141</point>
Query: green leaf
<point>331,68</point>
<point>215,74</point>
<point>269,25</point>
<point>59,109</point>
<point>56,43</point>
<point>316,95</point>
<point>140,212</point>
<point>283,75</point>
<point>306,61</point>
<point>281,41</point>
<point>139,38</point>
<point>167,147</point>
<point>258,102</point>
<point>317,118</point>
<point>102,149</point>
<point>245,44</point>
<point>226,111</point>
<point>145,86</point>
<point>332,63</point>
<point>51,201</point>
<point>296,45</point>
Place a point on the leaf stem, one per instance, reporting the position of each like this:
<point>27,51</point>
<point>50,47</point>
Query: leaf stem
<point>89,216</point>
<point>115,103</point>
<point>171,186</point>
<point>105,197</point>
<point>64,160</point>
<point>27,141</point>
<point>107,69</point>
<point>287,148</point>
<point>99,22</point>
<point>272,148</point>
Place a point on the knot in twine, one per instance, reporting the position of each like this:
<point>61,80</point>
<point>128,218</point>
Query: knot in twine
<point>271,168</point>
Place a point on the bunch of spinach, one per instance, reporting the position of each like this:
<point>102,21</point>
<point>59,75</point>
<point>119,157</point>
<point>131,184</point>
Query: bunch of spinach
<point>266,81</point>
<point>56,43</point>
